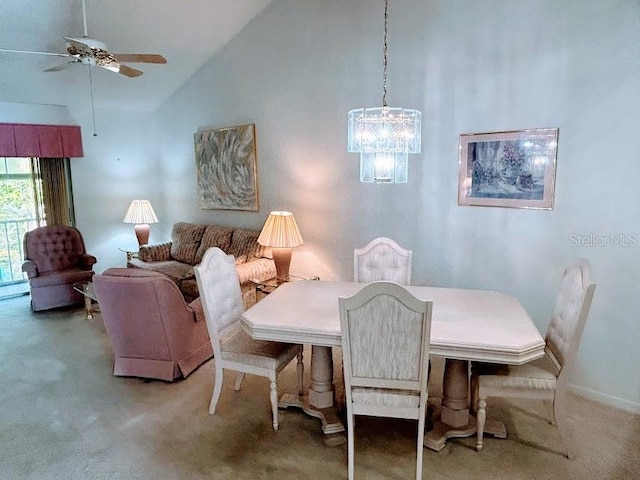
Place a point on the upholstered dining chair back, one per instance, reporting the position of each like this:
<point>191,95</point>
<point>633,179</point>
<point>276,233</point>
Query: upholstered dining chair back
<point>382,259</point>
<point>233,348</point>
<point>220,295</point>
<point>573,303</point>
<point>385,343</point>
<point>55,259</point>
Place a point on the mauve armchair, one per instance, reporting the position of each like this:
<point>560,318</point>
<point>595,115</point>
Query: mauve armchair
<point>153,331</point>
<point>55,259</point>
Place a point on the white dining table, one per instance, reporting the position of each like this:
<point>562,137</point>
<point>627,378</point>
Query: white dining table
<point>467,325</point>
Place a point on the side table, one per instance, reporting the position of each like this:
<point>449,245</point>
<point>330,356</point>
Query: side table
<point>89,294</point>
<point>131,254</point>
<point>265,287</point>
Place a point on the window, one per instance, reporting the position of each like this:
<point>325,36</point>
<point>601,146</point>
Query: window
<point>33,192</point>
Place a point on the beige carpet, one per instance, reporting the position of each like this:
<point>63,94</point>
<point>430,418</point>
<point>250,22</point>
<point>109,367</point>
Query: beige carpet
<point>65,416</point>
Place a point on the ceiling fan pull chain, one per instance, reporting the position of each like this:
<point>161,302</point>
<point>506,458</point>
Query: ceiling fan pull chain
<point>93,111</point>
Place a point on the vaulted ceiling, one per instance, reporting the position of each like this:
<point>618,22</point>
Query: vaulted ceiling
<point>186,32</point>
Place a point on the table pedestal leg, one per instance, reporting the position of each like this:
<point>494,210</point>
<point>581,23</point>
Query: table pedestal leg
<point>455,421</point>
<point>319,402</point>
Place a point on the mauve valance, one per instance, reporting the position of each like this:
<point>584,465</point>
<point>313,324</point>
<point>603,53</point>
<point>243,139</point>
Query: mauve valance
<point>48,141</point>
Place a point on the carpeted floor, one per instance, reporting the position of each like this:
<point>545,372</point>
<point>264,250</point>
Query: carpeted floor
<point>65,416</point>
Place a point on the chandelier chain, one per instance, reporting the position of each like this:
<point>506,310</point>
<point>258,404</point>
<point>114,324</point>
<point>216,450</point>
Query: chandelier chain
<point>384,63</point>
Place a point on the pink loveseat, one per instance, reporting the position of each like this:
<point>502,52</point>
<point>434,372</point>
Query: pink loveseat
<point>154,333</point>
<point>55,259</point>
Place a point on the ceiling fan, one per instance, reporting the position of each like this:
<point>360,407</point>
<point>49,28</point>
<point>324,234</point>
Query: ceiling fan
<point>89,51</point>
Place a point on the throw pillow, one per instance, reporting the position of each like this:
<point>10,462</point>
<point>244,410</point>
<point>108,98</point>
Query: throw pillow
<point>245,243</point>
<point>185,240</point>
<point>214,236</point>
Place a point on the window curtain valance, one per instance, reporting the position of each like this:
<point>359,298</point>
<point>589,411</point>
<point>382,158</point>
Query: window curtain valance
<point>28,140</point>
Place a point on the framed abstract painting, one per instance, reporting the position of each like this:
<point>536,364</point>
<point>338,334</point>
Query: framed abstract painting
<point>514,169</point>
<point>226,168</point>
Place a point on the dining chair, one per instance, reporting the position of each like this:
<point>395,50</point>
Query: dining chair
<point>382,259</point>
<point>233,348</point>
<point>546,378</point>
<point>385,346</point>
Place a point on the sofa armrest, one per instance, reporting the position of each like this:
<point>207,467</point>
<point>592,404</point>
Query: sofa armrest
<point>159,252</point>
<point>86,261</point>
<point>258,269</point>
<point>30,268</point>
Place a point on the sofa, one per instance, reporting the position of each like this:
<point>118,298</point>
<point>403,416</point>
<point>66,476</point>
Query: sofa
<point>177,257</point>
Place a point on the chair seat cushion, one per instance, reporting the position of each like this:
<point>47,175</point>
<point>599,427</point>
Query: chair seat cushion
<point>538,375</point>
<point>244,349</point>
<point>62,277</point>
<point>382,397</point>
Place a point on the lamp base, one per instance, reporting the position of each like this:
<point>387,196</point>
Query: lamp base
<point>142,233</point>
<point>282,259</point>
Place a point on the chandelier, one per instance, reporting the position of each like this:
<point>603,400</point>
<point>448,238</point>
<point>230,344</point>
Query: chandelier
<point>384,136</point>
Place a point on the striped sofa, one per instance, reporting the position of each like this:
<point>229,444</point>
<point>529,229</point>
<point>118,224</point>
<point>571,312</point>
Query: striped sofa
<point>188,243</point>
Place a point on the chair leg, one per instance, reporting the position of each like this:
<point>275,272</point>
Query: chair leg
<point>473,403</point>
<point>300,368</point>
<point>551,415</point>
<point>350,444</point>
<point>217,389</point>
<point>421,422</point>
<point>274,402</point>
<point>482,418</point>
<point>563,430</point>
<point>239,379</point>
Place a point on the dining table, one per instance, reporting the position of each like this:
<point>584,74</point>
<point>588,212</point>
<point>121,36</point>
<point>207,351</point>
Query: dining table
<point>466,325</point>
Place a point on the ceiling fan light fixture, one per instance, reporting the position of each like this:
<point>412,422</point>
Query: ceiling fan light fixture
<point>91,52</point>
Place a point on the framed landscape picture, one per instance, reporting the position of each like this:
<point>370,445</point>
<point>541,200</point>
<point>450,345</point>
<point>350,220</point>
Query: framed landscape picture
<point>226,168</point>
<point>508,169</point>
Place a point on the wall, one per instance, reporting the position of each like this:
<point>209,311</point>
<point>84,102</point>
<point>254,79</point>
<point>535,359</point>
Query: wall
<point>120,165</point>
<point>39,114</point>
<point>469,66</point>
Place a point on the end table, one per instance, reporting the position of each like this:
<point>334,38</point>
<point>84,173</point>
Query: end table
<point>265,287</point>
<point>89,294</point>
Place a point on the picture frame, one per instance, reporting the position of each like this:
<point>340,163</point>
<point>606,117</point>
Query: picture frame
<point>514,169</point>
<point>226,168</point>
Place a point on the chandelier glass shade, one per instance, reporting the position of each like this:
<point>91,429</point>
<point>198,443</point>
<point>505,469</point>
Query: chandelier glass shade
<point>384,136</point>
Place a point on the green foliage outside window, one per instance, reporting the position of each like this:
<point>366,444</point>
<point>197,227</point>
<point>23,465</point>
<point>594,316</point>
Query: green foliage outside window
<point>17,214</point>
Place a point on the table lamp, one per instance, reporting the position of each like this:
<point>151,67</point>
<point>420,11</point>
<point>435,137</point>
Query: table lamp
<point>280,232</point>
<point>141,213</point>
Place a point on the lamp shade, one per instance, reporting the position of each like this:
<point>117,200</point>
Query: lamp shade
<point>140,212</point>
<point>280,231</point>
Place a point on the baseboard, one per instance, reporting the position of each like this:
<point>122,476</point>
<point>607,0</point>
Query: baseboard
<point>621,403</point>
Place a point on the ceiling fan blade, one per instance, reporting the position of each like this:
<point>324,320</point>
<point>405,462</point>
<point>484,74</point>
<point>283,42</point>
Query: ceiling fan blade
<point>86,43</point>
<point>62,66</point>
<point>34,53</point>
<point>140,58</point>
<point>127,71</point>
